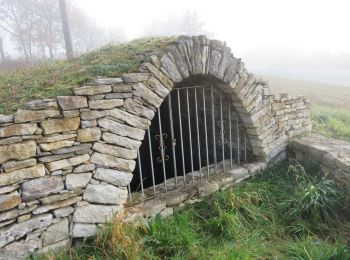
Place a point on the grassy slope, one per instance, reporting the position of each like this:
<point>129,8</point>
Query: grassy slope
<point>53,78</point>
<point>330,104</point>
<point>253,220</point>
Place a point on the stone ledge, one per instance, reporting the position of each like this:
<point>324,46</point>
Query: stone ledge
<point>333,156</point>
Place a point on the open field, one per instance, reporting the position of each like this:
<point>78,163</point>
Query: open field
<point>333,96</point>
<point>330,104</point>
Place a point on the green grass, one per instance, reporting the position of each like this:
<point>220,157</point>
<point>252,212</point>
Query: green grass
<point>248,221</point>
<point>52,78</point>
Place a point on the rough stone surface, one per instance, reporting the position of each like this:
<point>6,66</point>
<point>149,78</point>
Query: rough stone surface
<point>121,141</point>
<point>95,213</point>
<point>34,116</point>
<point>72,102</point>
<point>111,161</point>
<point>84,230</point>
<point>55,145</point>
<point>105,104</point>
<point>114,177</point>
<point>21,175</point>
<point>16,165</point>
<point>9,201</point>
<point>18,151</point>
<point>122,130</point>
<point>92,90</point>
<point>105,194</point>
<point>63,212</point>
<point>115,151</point>
<point>56,232</point>
<point>77,180</point>
<point>41,187</point>
<point>57,165</point>
<point>87,135</point>
<point>18,129</point>
<point>19,230</point>
<point>60,125</point>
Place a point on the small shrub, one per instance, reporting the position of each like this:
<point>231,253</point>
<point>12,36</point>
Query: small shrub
<point>315,199</point>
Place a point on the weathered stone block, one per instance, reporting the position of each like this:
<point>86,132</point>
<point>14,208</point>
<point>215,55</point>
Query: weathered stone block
<point>56,205</point>
<point>135,77</point>
<point>105,194</point>
<point>41,104</point>
<point>114,162</point>
<point>56,138</point>
<point>63,212</point>
<point>84,230</point>
<point>138,109</point>
<point>77,180</point>
<point>6,118</point>
<point>121,129</point>
<point>18,129</point>
<point>105,104</point>
<point>60,125</point>
<point>63,195</point>
<point>57,165</point>
<point>116,151</point>
<point>89,134</point>
<point>23,174</point>
<point>130,119</point>
<point>9,201</point>
<point>16,165</point>
<point>114,177</point>
<point>19,230</point>
<point>95,213</point>
<point>92,90</point>
<point>121,141</point>
<point>41,187</point>
<point>55,145</point>
<point>34,116</point>
<point>72,102</point>
<point>56,232</point>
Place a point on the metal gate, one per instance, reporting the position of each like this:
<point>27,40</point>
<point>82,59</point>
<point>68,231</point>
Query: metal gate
<point>196,132</point>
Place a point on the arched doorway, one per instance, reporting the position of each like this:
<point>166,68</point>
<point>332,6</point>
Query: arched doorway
<point>196,132</point>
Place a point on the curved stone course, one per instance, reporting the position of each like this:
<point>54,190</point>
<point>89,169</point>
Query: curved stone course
<point>65,163</point>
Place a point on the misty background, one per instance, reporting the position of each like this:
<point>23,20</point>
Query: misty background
<point>306,40</point>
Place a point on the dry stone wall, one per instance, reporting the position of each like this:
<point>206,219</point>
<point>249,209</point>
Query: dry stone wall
<point>65,163</point>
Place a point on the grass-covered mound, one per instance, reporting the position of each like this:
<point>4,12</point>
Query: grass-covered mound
<point>283,213</point>
<point>52,78</point>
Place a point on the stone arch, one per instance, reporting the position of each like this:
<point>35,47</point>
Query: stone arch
<point>65,163</point>
<point>191,57</point>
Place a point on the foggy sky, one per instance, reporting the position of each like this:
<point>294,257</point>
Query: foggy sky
<point>279,37</point>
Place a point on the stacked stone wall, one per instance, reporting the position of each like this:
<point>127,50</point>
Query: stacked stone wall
<point>65,163</point>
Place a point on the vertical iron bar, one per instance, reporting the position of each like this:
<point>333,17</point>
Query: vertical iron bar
<point>245,147</point>
<point>189,132</point>
<point>230,132</point>
<point>172,137</point>
<point>206,131</point>
<point>222,133</point>
<point>162,148</point>
<point>140,172</point>
<point>182,143</point>
<point>238,141</point>
<point>213,125</point>
<point>151,157</point>
<point>198,137</point>
<point>129,191</point>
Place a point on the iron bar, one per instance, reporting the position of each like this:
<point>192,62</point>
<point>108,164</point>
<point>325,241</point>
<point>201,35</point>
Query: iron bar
<point>129,191</point>
<point>222,133</point>
<point>173,141</point>
<point>198,137</point>
<point>181,138</point>
<point>245,147</point>
<point>206,131</point>
<point>161,140</point>
<point>140,172</point>
<point>213,126</point>
<point>189,132</point>
<point>151,157</point>
<point>238,141</point>
<point>230,132</point>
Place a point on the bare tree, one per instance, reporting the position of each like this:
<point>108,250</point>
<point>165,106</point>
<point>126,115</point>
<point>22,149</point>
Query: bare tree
<point>2,54</point>
<point>189,23</point>
<point>66,29</point>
